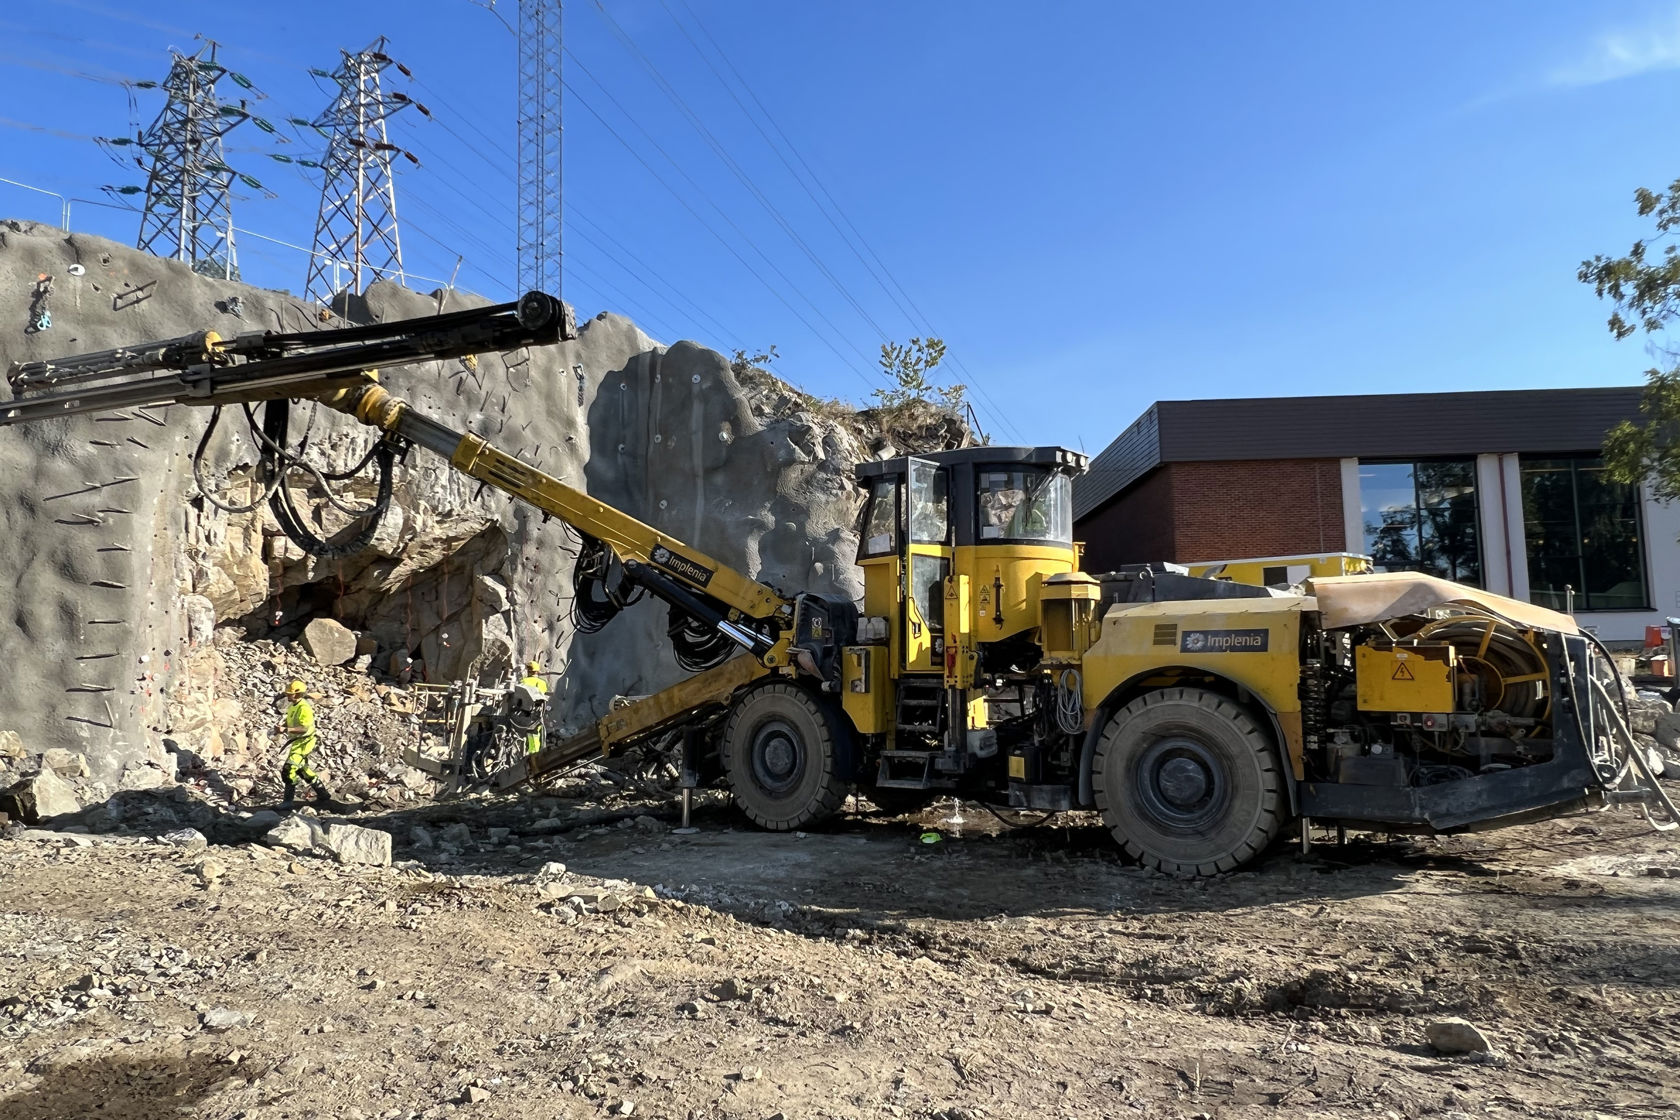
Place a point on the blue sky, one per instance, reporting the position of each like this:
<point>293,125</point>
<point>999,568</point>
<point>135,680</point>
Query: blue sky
<point>1096,204</point>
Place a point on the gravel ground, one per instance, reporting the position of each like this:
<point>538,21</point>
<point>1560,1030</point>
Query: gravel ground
<point>848,973</point>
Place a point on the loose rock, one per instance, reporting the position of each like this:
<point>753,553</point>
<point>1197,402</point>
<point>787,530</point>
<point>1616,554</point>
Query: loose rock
<point>39,798</point>
<point>1456,1036</point>
<point>222,1019</point>
<point>329,642</point>
<point>297,833</point>
<point>349,843</point>
<point>191,839</point>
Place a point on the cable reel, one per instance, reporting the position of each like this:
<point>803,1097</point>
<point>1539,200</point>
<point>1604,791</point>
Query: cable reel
<point>1511,672</point>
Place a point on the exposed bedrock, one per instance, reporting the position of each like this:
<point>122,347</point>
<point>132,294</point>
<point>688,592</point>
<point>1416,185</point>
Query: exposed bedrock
<point>119,570</point>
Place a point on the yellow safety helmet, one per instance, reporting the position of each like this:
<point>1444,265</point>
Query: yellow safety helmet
<point>533,667</point>
<point>296,688</point>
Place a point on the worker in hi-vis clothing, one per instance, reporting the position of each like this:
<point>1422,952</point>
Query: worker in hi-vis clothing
<point>533,679</point>
<point>299,729</point>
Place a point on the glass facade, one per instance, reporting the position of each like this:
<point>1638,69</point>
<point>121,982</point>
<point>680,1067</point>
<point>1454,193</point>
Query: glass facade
<point>1583,534</point>
<point>1421,517</point>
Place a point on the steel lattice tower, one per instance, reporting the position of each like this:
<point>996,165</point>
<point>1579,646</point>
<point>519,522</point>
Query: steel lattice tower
<point>189,207</point>
<point>356,231</point>
<point>539,146</point>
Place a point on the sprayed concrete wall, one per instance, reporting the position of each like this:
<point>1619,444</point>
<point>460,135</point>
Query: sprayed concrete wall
<point>117,569</point>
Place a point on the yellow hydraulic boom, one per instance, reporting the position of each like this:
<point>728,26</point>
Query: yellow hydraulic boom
<point>339,368</point>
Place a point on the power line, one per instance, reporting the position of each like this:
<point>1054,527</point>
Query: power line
<point>628,304</point>
<point>479,200</point>
<point>727,244</point>
<point>912,312</point>
<point>734,167</point>
<point>303,248</point>
<point>676,293</point>
<point>474,144</point>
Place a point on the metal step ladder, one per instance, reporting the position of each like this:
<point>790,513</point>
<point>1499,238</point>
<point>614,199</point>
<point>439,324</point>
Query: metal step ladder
<point>906,770</point>
<point>919,704</point>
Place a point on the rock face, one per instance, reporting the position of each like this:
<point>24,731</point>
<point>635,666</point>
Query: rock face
<point>119,567</point>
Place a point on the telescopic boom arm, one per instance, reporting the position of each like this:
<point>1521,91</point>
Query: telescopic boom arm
<point>339,368</point>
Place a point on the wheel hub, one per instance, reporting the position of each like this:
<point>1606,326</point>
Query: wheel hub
<point>1181,783</point>
<point>778,757</point>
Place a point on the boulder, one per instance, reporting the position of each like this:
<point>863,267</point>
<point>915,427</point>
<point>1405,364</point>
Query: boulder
<point>297,833</point>
<point>349,843</point>
<point>189,838</point>
<point>1456,1036</point>
<point>1667,733</point>
<point>1652,700</point>
<point>39,798</point>
<point>142,777</point>
<point>329,642</point>
<point>221,1019</point>
<point>65,763</point>
<point>11,745</point>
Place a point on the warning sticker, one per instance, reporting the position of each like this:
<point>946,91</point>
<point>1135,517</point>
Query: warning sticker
<point>1403,672</point>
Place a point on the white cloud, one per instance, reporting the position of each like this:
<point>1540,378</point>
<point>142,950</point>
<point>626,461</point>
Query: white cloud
<point>1624,53</point>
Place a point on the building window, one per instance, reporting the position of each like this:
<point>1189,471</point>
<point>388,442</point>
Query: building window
<point>1583,534</point>
<point>1421,517</point>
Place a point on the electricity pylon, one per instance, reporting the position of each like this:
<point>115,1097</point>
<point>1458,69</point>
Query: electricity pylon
<point>356,238</point>
<point>539,146</point>
<point>189,207</point>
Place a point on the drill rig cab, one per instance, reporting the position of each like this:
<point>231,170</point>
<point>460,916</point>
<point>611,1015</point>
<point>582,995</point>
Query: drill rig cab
<point>957,549</point>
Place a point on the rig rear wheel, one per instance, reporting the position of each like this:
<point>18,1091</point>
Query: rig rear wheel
<point>1188,782</point>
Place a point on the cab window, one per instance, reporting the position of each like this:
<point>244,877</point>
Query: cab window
<point>1025,504</point>
<point>878,535</point>
<point>929,505</point>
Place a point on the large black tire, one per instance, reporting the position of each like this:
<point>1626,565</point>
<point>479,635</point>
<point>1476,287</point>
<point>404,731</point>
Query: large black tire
<point>781,754</point>
<point>1188,782</point>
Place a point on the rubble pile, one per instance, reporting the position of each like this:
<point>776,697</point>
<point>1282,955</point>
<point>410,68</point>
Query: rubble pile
<point>364,719</point>
<point>1656,727</point>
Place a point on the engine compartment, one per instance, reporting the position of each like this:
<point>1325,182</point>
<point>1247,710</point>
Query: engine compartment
<point>1419,701</point>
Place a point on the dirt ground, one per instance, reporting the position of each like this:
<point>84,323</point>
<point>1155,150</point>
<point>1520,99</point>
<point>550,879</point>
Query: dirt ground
<point>849,973</point>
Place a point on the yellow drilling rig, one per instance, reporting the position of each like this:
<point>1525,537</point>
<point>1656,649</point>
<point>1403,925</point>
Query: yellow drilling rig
<point>1202,717</point>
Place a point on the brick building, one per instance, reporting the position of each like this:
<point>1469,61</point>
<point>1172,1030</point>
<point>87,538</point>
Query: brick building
<point>1501,490</point>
